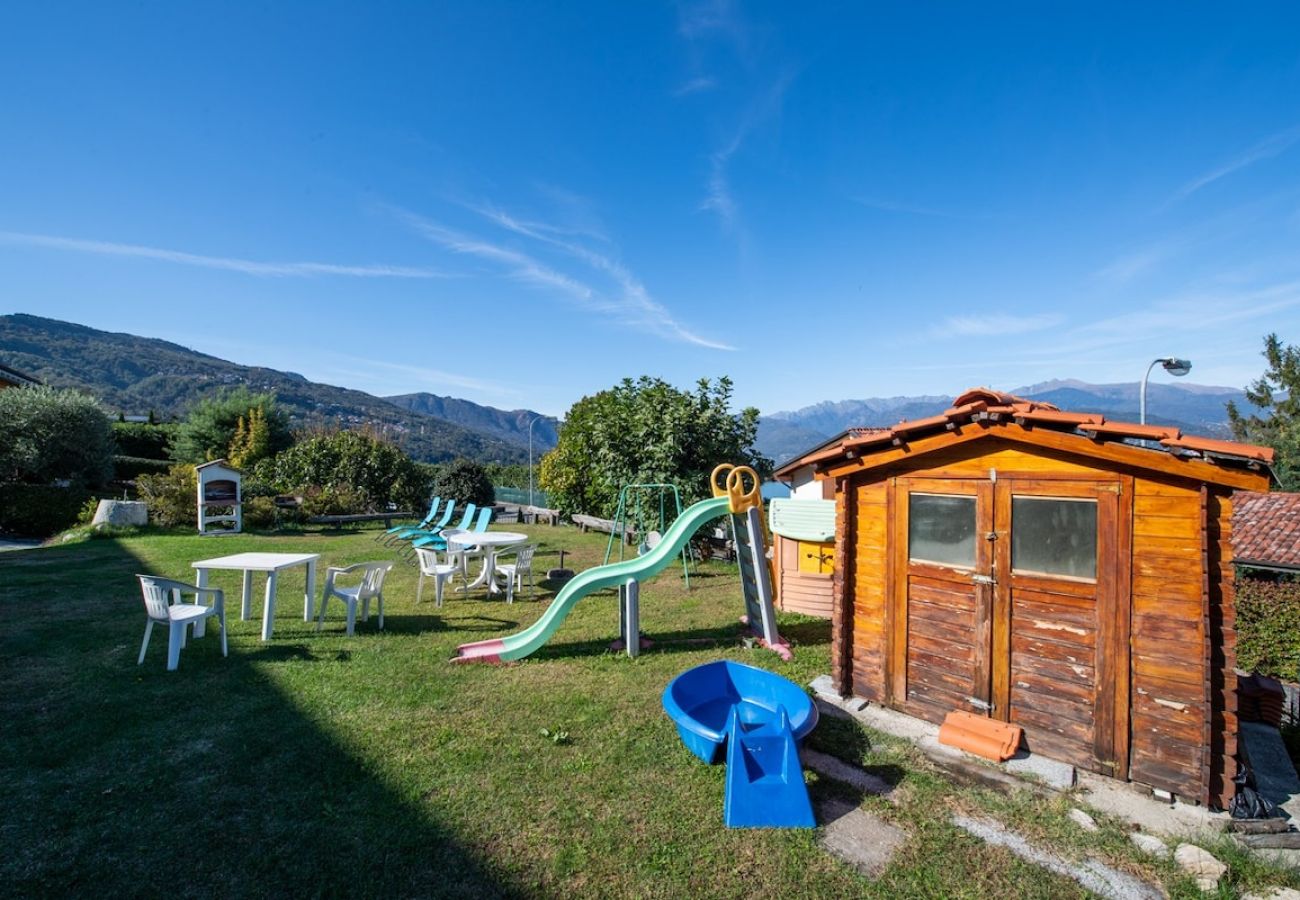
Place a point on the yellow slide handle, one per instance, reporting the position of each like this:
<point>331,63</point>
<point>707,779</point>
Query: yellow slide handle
<point>728,480</point>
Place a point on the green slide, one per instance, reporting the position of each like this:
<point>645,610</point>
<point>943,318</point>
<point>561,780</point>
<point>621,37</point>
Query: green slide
<point>517,646</point>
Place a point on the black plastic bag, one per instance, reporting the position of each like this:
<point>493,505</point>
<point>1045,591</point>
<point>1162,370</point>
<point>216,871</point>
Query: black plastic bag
<point>1249,803</point>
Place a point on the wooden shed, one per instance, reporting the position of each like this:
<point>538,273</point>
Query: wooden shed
<point>1051,569</point>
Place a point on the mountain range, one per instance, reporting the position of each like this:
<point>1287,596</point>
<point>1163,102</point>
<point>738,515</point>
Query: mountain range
<point>136,375</point>
<point>1193,408</point>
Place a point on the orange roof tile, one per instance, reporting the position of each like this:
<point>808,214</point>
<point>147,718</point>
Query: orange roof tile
<point>1266,528</point>
<point>982,404</point>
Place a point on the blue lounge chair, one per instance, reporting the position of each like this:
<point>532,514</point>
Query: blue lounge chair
<point>409,531</point>
<point>387,536</point>
<point>423,538</point>
<point>438,542</point>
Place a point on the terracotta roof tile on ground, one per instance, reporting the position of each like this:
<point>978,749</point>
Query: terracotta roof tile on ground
<point>1266,529</point>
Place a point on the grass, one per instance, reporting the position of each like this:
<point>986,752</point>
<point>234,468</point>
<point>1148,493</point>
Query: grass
<point>317,764</point>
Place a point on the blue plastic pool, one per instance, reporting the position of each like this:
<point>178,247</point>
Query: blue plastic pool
<point>700,701</point>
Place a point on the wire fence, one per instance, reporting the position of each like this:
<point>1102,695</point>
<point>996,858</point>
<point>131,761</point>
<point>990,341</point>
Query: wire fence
<point>519,497</point>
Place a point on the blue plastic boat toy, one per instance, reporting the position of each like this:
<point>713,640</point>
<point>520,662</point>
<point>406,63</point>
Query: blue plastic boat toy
<point>759,718</point>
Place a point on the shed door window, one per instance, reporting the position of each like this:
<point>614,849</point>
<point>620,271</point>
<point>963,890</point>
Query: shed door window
<point>941,529</point>
<point>1054,536</point>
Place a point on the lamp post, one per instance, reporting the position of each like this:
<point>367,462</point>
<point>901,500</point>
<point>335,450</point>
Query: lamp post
<point>1174,366</point>
<point>530,459</point>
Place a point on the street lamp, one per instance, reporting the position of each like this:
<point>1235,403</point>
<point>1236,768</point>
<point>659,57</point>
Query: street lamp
<point>530,459</point>
<point>1174,366</point>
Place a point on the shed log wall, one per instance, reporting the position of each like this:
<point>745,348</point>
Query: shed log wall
<point>1170,728</point>
<point>870,589</point>
<point>1223,644</point>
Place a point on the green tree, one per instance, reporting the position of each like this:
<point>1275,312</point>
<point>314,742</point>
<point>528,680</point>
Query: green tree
<point>54,436</point>
<point>374,472</point>
<point>647,431</point>
<point>209,429</point>
<point>1277,394</point>
<point>464,481</point>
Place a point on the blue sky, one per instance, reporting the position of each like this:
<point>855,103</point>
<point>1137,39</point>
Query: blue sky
<point>520,204</point>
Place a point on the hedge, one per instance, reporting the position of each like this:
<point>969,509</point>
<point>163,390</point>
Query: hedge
<point>38,510</point>
<point>1268,627</point>
<point>129,468</point>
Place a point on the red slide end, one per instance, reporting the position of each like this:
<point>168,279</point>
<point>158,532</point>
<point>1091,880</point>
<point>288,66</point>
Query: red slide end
<point>480,651</point>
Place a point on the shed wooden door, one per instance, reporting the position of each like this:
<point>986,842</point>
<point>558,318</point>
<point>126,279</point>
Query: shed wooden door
<point>1004,603</point>
<point>1057,630</point>
<point>942,611</point>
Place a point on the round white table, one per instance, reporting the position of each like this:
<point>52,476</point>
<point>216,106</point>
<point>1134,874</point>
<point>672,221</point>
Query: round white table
<point>492,543</point>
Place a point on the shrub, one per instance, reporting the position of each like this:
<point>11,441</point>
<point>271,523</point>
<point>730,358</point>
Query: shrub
<point>129,468</point>
<point>210,429</point>
<point>335,500</point>
<point>260,512</point>
<point>374,470</point>
<point>144,440</point>
<point>39,510</point>
<point>172,496</point>
<point>1268,627</point>
<point>465,481</point>
<point>54,436</point>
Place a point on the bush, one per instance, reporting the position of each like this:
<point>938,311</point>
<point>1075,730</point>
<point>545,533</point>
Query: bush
<point>129,468</point>
<point>54,436</point>
<point>172,496</point>
<point>141,439</point>
<point>335,500</point>
<point>260,512</point>
<point>1268,627</point>
<point>466,482</point>
<point>209,430</point>
<point>38,510</point>
<point>376,472</point>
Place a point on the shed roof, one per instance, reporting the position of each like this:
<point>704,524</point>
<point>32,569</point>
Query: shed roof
<point>1018,418</point>
<point>13,376</point>
<point>1266,529</point>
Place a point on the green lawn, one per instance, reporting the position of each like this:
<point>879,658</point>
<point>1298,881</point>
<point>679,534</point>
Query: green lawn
<point>318,764</point>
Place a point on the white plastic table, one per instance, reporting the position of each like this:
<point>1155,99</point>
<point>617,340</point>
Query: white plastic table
<point>272,564</point>
<point>493,543</point>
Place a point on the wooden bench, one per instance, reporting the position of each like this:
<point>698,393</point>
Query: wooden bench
<point>385,517</point>
<point>608,526</point>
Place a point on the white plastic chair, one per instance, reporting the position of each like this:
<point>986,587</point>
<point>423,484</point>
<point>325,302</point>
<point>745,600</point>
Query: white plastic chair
<point>441,573</point>
<point>515,571</point>
<point>162,604</point>
<point>370,588</point>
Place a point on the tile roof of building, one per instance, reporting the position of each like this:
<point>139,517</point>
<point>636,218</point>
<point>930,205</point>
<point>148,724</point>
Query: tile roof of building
<point>1266,529</point>
<point>989,406</point>
<point>13,376</point>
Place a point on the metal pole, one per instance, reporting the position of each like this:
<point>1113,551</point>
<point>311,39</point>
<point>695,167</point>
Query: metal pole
<point>530,459</point>
<point>1142,393</point>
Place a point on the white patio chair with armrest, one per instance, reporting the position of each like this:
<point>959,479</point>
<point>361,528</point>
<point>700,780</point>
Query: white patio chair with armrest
<point>370,588</point>
<point>441,573</point>
<point>162,604</point>
<point>515,571</point>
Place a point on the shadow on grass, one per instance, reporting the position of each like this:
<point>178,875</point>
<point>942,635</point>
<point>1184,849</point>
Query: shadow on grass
<point>126,780</point>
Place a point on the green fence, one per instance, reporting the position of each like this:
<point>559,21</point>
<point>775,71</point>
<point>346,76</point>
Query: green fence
<point>519,496</point>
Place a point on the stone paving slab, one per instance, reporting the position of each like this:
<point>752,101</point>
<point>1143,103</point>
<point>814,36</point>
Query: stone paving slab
<point>860,838</point>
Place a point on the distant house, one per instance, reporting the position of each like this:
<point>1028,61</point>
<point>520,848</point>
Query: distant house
<point>1057,570</point>
<point>13,378</point>
<point>1266,531</point>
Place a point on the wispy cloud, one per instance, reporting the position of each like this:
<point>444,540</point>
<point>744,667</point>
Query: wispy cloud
<point>914,210</point>
<point>229,264</point>
<point>994,325</point>
<point>1131,265</point>
<point>695,86</point>
<point>718,195</point>
<point>1265,149</point>
<point>633,305</point>
<point>423,375</point>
